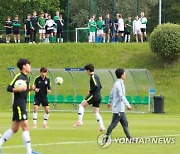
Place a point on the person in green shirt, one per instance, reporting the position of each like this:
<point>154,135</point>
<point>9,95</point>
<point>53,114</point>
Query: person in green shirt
<point>100,29</point>
<point>16,25</point>
<point>92,29</point>
<point>56,19</point>
<point>41,24</point>
<point>128,29</point>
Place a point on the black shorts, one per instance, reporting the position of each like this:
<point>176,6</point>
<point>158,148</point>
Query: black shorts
<point>121,32</point>
<point>28,32</point>
<point>49,31</point>
<point>19,113</point>
<point>143,30</point>
<point>127,33</point>
<point>107,30</point>
<point>43,101</point>
<point>8,32</point>
<point>16,31</point>
<point>59,34</point>
<point>94,100</point>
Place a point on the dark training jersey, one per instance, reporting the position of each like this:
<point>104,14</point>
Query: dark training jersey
<point>28,24</point>
<point>34,20</point>
<point>43,85</point>
<point>20,98</point>
<point>9,26</point>
<point>16,24</point>
<point>95,85</point>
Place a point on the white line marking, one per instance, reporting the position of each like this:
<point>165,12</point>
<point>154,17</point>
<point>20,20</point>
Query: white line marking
<point>76,142</point>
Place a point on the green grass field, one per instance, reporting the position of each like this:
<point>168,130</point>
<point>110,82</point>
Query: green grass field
<point>61,137</point>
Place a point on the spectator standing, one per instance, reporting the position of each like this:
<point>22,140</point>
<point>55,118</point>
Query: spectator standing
<point>143,20</point>
<point>34,20</point>
<point>107,29</point>
<point>128,28</point>
<point>16,25</point>
<point>8,26</point>
<point>137,28</point>
<point>92,28</point>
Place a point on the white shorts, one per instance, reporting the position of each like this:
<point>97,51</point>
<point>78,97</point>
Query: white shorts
<point>100,32</point>
<point>55,30</point>
<point>138,31</point>
<point>41,31</point>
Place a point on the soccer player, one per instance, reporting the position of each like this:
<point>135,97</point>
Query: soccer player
<point>20,117</point>
<point>1,39</point>
<point>107,29</point>
<point>41,23</point>
<point>92,28</point>
<point>60,25</point>
<point>143,20</point>
<point>100,29</point>
<point>137,28</point>
<point>50,27</point>
<point>93,98</point>
<point>27,28</point>
<point>127,31</point>
<point>41,87</point>
<point>34,20</point>
<point>8,27</point>
<point>16,25</point>
<point>56,19</point>
<point>118,102</point>
<point>121,28</point>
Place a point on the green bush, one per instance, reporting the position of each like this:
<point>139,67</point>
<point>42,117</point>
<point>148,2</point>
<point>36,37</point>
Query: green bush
<point>165,41</point>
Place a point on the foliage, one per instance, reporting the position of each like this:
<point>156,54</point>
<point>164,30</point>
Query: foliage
<point>165,41</point>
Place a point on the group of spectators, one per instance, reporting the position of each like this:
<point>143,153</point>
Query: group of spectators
<point>117,30</point>
<point>50,30</point>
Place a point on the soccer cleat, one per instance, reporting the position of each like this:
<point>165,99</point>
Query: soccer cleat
<point>45,126</point>
<point>34,126</point>
<point>78,123</point>
<point>34,152</point>
<point>101,129</point>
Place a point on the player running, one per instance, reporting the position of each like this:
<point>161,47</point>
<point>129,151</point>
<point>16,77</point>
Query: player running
<point>93,98</point>
<point>20,117</point>
<point>42,88</point>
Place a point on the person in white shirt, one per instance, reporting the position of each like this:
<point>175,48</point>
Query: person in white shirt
<point>143,20</point>
<point>137,28</point>
<point>121,27</point>
<point>118,102</point>
<point>50,27</point>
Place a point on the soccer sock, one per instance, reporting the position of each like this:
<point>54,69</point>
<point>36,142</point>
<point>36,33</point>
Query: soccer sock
<point>99,119</point>
<point>125,38</point>
<point>122,37</point>
<point>62,40</point>
<point>19,41</point>
<point>80,113</point>
<point>27,141</point>
<point>129,38</point>
<point>58,40</point>
<point>46,116</point>
<point>35,118</point>
<point>7,135</point>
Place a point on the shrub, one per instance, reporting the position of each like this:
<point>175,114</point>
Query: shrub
<point>165,41</point>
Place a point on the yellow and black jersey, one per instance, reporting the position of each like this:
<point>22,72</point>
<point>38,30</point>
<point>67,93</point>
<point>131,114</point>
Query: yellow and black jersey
<point>43,85</point>
<point>20,98</point>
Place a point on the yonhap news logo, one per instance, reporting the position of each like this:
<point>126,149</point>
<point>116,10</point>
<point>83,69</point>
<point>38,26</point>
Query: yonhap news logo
<point>105,141</point>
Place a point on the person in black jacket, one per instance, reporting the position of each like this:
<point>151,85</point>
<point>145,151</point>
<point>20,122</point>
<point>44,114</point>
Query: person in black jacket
<point>93,98</point>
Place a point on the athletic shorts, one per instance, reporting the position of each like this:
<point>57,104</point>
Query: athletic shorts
<point>42,101</point>
<point>143,30</point>
<point>49,31</point>
<point>16,32</point>
<point>94,100</point>
<point>127,33</point>
<point>100,32</point>
<point>59,34</point>
<point>28,32</point>
<point>137,32</point>
<point>8,32</point>
<point>41,31</point>
<point>19,113</point>
<point>107,30</point>
<point>55,30</point>
<point>121,32</point>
